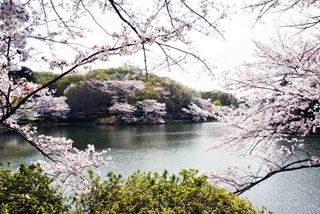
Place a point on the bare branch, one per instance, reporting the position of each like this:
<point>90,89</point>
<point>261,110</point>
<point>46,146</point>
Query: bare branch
<point>188,53</point>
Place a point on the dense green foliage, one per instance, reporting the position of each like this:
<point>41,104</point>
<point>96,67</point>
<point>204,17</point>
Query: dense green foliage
<point>154,193</point>
<point>114,74</point>
<point>60,85</point>
<point>226,99</point>
<point>28,190</point>
<point>44,77</point>
<point>86,99</point>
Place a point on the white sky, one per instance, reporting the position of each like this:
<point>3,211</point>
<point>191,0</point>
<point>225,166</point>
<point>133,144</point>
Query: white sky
<point>225,55</point>
<point>239,33</point>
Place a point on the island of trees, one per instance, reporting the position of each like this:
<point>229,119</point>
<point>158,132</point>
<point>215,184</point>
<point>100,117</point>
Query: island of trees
<point>124,96</point>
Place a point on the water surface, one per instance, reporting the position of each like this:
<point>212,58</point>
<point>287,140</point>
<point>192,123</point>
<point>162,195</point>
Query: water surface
<point>177,146</point>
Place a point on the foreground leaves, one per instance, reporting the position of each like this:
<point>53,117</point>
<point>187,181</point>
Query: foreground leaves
<point>29,190</point>
<point>153,193</point>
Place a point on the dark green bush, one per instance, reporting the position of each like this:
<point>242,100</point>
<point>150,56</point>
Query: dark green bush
<point>85,98</point>
<point>154,193</point>
<point>28,190</point>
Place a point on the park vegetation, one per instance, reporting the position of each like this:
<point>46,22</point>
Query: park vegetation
<point>124,96</point>
<point>29,190</point>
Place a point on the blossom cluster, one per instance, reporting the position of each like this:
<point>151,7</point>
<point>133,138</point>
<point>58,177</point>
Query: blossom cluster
<point>196,112</point>
<point>282,107</point>
<point>71,165</point>
<point>200,109</point>
<point>125,111</point>
<point>13,34</point>
<point>152,110</point>
<point>146,109</point>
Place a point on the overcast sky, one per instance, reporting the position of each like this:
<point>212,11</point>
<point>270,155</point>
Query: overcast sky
<point>239,31</point>
<point>224,54</point>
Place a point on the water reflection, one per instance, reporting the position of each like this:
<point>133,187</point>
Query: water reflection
<point>176,146</point>
<point>155,147</point>
<point>292,192</point>
<point>13,146</point>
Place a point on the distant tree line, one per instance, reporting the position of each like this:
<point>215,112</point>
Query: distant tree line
<point>220,98</point>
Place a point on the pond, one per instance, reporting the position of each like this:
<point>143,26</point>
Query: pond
<point>177,146</point>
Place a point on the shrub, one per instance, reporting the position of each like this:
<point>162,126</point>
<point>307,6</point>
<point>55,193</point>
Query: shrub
<point>28,190</point>
<point>217,103</point>
<point>154,193</point>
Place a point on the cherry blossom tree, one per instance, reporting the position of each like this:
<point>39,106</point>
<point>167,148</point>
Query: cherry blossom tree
<point>205,104</point>
<point>152,110</point>
<point>39,30</point>
<point>282,108</point>
<point>125,111</point>
<point>119,90</point>
<point>197,114</point>
<point>200,109</point>
<point>282,98</point>
<point>52,106</point>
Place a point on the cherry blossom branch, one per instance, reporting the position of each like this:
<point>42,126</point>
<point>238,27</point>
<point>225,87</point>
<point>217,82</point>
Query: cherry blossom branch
<point>136,32</point>
<point>282,108</point>
<point>168,11</point>
<point>60,18</point>
<point>285,168</point>
<point>29,141</point>
<point>64,42</point>
<point>123,19</point>
<point>94,19</point>
<point>271,6</point>
<point>187,53</point>
<point>84,61</point>
<point>145,61</point>
<point>174,62</point>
